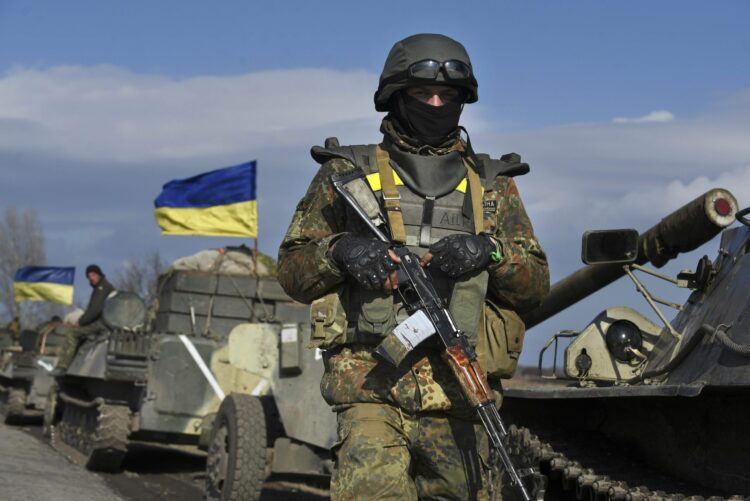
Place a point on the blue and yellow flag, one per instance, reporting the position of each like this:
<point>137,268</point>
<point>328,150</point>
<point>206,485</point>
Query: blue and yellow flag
<point>44,283</point>
<point>217,203</point>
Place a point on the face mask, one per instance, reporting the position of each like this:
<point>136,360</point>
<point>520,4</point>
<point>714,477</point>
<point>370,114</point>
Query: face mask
<point>430,124</point>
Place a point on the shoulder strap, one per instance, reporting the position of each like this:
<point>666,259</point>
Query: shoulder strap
<point>391,196</point>
<point>475,187</point>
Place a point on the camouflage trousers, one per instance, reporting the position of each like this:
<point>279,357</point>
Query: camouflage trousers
<point>383,453</point>
<point>72,338</point>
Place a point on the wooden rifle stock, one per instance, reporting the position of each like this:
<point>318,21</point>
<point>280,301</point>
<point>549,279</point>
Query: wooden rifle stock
<point>469,375</point>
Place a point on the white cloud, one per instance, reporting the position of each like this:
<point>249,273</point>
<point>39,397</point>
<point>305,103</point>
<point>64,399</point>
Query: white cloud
<point>665,198</point>
<point>108,112</point>
<point>90,148</point>
<point>604,175</point>
<point>581,174</point>
<point>654,116</point>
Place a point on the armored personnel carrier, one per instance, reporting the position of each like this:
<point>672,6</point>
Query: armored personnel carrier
<point>24,374</point>
<point>643,409</point>
<point>220,366</point>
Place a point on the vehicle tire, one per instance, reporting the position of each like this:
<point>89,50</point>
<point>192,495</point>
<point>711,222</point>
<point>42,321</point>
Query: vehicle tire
<point>16,405</point>
<point>236,463</point>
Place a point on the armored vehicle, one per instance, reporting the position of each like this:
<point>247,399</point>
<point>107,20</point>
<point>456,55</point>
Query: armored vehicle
<point>220,366</point>
<point>643,409</point>
<point>24,374</point>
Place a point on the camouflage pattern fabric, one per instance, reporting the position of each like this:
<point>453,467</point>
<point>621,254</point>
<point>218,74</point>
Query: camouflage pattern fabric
<point>14,326</point>
<point>306,273</point>
<point>521,280</point>
<point>422,383</point>
<point>383,453</point>
<point>72,338</point>
<point>406,432</point>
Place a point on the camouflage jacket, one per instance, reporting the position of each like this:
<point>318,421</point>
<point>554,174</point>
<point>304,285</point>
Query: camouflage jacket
<point>96,303</point>
<point>306,272</point>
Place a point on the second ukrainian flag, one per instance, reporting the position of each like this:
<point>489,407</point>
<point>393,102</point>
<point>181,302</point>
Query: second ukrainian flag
<point>218,203</point>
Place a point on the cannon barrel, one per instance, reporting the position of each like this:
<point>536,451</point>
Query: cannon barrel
<point>684,230</point>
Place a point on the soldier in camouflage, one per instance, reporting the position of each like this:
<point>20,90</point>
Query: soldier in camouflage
<point>408,432</point>
<point>89,323</point>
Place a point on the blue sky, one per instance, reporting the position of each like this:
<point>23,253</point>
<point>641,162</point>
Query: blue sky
<point>529,54</point>
<point>625,110</point>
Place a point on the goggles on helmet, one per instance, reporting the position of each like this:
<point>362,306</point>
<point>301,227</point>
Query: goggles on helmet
<point>429,69</point>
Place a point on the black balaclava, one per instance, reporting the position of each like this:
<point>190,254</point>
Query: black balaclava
<point>431,125</point>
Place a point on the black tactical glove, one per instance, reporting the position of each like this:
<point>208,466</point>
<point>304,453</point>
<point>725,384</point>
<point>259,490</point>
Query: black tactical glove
<point>365,259</point>
<point>458,254</point>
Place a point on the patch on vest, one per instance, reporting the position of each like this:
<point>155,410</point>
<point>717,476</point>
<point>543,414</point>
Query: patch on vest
<point>489,206</point>
<point>454,220</point>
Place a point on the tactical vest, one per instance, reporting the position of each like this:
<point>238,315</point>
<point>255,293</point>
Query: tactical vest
<point>417,221</point>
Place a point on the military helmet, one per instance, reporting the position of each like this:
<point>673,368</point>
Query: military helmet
<point>426,58</point>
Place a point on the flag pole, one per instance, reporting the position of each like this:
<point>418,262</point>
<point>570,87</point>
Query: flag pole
<point>255,257</point>
<point>255,240</point>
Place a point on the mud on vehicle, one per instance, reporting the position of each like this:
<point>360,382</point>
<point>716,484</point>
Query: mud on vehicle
<point>223,367</point>
<point>24,374</point>
<point>643,409</point>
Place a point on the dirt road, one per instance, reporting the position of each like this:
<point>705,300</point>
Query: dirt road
<point>32,470</point>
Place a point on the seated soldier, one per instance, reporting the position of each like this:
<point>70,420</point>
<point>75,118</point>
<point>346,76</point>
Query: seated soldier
<point>9,334</point>
<point>90,322</point>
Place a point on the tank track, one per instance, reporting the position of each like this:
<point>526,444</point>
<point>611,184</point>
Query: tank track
<point>594,469</point>
<point>97,433</point>
<point>15,405</point>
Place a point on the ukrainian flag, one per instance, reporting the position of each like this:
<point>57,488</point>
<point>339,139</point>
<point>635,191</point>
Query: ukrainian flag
<point>218,203</point>
<point>44,283</point>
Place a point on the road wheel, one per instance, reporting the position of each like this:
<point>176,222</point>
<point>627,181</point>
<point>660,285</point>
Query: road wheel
<point>16,405</point>
<point>236,464</point>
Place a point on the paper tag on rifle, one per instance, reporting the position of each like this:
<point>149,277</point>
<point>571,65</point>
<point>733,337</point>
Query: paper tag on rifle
<point>414,330</point>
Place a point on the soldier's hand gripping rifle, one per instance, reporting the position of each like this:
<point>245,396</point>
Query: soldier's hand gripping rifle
<point>429,316</point>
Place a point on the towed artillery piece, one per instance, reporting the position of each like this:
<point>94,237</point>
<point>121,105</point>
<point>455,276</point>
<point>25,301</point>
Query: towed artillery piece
<point>24,374</point>
<point>642,410</point>
<point>221,367</point>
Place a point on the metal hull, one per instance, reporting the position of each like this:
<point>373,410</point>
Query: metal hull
<point>697,443</point>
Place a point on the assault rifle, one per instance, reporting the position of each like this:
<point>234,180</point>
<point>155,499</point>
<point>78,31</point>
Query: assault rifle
<point>429,316</point>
